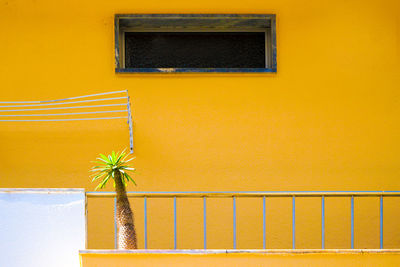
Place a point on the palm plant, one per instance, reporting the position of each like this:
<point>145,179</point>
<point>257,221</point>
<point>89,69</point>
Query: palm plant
<point>115,167</point>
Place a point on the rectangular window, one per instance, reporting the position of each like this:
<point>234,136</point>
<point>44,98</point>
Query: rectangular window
<point>195,43</point>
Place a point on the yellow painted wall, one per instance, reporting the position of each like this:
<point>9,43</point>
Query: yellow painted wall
<point>245,259</point>
<point>329,119</point>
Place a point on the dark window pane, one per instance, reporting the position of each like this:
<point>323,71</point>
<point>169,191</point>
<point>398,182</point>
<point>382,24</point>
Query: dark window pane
<point>195,50</point>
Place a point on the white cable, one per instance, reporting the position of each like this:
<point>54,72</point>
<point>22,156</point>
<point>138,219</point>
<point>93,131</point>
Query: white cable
<point>67,103</point>
<point>64,99</point>
<point>34,109</point>
<point>83,119</point>
<point>64,114</point>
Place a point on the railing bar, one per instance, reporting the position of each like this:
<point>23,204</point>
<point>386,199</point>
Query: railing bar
<point>63,114</point>
<point>293,222</point>
<point>66,103</point>
<point>188,195</point>
<point>175,244</point>
<point>229,194</point>
<point>381,222</point>
<point>145,222</point>
<point>352,222</point>
<point>264,225</point>
<point>205,222</point>
<point>323,222</point>
<point>247,192</point>
<point>130,124</point>
<point>63,99</point>
<point>115,224</point>
<point>86,221</point>
<point>79,119</point>
<point>234,222</point>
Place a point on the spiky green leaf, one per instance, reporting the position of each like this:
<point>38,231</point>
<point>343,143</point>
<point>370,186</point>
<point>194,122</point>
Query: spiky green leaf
<point>103,183</point>
<point>98,176</point>
<point>128,177</point>
<point>104,157</point>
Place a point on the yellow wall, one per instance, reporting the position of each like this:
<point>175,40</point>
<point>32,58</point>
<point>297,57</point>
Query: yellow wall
<point>244,259</point>
<point>328,120</point>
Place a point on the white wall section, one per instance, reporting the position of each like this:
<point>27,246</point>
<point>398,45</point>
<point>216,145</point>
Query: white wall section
<point>41,227</point>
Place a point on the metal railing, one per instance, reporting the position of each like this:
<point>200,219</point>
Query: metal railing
<point>250,194</point>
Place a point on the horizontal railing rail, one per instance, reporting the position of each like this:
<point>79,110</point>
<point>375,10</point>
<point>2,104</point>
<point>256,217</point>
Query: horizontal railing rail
<point>251,194</point>
<point>217,194</point>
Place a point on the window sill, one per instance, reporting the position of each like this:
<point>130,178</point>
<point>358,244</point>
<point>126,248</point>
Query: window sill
<point>195,70</point>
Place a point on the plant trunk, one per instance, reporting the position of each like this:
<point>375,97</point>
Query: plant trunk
<point>125,223</point>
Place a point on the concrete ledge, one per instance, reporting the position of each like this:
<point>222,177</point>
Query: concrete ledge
<point>42,190</point>
<point>239,251</point>
<point>222,257</point>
